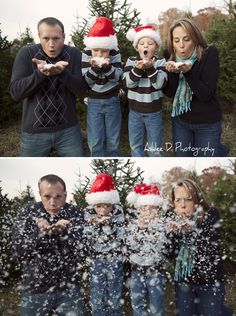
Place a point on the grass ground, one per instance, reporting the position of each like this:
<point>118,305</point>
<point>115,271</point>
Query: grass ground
<point>10,134</point>
<point>10,298</point>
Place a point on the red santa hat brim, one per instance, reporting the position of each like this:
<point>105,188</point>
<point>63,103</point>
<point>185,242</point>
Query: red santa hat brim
<point>103,42</point>
<point>107,197</point>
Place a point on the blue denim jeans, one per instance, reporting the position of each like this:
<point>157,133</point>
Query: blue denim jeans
<point>200,300</point>
<point>66,302</point>
<point>103,127</point>
<point>106,287</point>
<point>145,123</point>
<point>147,293</point>
<point>197,140</point>
<point>66,142</point>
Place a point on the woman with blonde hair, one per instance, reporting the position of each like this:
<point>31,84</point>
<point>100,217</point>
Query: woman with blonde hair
<point>193,71</point>
<point>194,232</point>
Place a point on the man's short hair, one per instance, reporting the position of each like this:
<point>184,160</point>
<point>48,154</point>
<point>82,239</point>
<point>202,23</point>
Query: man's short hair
<point>51,21</point>
<point>52,179</point>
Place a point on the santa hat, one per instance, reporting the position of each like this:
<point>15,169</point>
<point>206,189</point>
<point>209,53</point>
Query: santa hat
<point>103,191</point>
<point>145,194</point>
<point>101,35</point>
<point>134,35</point>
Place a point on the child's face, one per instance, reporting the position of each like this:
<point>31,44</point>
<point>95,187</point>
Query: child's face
<point>146,47</point>
<point>99,52</point>
<point>183,203</point>
<point>103,209</point>
<point>149,211</point>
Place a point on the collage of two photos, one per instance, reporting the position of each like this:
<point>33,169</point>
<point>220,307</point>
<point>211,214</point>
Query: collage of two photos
<point>117,158</point>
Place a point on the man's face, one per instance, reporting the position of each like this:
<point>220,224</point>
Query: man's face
<point>51,38</point>
<point>53,196</point>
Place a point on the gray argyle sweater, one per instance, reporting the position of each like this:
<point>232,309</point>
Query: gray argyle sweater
<point>49,103</point>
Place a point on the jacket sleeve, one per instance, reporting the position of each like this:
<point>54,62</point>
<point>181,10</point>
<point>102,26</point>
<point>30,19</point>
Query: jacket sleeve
<point>25,79</point>
<point>204,86</point>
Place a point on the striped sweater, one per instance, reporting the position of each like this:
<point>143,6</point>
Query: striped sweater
<point>103,82</point>
<point>145,86</point>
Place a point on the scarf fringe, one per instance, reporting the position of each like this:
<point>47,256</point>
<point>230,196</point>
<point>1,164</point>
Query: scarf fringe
<point>181,108</point>
<point>183,272</point>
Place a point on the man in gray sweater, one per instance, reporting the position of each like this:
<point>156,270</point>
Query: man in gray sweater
<point>47,78</point>
<point>47,240</point>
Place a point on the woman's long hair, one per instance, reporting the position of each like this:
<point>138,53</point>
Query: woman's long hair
<point>194,33</point>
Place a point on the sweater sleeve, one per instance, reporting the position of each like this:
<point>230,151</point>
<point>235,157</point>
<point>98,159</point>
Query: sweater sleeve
<point>204,86</point>
<point>131,75</point>
<point>156,75</point>
<point>25,79</point>
<point>26,237</point>
<point>72,236</point>
<point>172,84</point>
<point>72,77</point>
<point>93,75</point>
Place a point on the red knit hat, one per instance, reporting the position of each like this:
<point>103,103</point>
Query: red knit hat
<point>134,35</point>
<point>144,194</point>
<point>103,191</point>
<point>101,35</point>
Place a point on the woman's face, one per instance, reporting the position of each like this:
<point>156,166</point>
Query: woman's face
<point>182,43</point>
<point>183,203</point>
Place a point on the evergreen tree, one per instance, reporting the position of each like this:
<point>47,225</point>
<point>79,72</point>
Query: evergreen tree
<point>124,172</point>
<point>25,197</point>
<point>24,39</point>
<point>222,33</point>
<point>121,14</point>
<point>9,109</point>
<point>5,237</point>
<point>223,197</point>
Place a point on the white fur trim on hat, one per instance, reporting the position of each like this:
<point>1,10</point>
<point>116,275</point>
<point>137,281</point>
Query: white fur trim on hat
<point>149,199</point>
<point>106,42</point>
<point>134,36</point>
<point>107,197</point>
<point>132,198</point>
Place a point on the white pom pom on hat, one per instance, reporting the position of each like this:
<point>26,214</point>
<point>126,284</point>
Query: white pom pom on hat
<point>149,30</point>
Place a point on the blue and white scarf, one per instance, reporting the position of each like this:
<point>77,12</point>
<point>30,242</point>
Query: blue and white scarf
<point>183,95</point>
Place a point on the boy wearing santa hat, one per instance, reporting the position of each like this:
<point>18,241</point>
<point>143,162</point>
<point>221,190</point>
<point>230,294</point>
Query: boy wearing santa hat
<point>101,68</point>
<point>145,76</point>
<point>104,233</point>
<point>146,240</point>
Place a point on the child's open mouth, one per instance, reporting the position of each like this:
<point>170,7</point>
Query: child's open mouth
<point>145,53</point>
